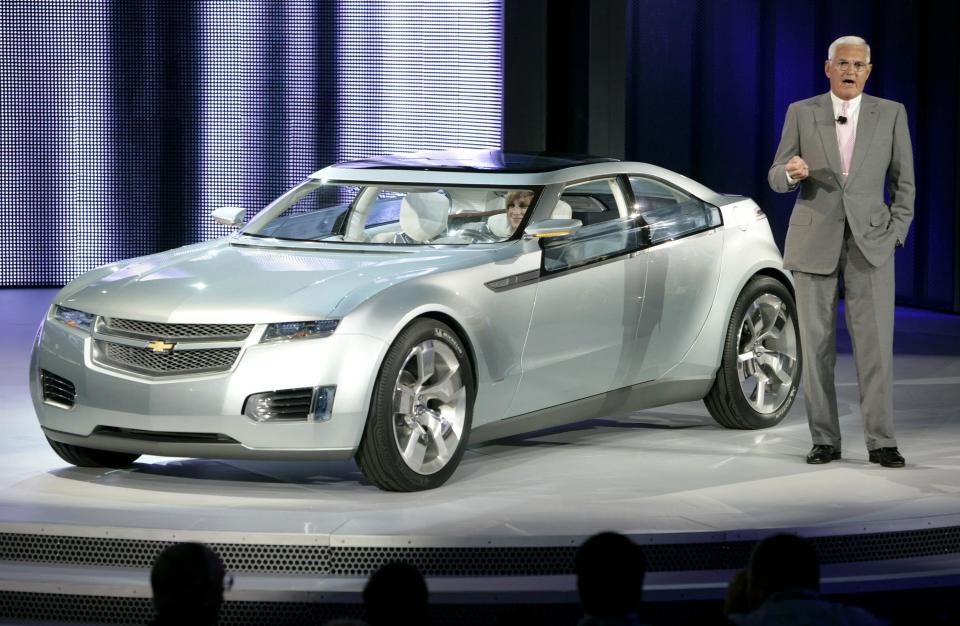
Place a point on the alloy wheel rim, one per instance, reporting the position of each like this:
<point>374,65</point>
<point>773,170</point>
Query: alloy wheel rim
<point>767,354</point>
<point>429,407</point>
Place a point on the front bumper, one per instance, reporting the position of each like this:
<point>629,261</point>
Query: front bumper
<point>202,415</point>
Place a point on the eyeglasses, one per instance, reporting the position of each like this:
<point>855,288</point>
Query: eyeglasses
<point>856,66</point>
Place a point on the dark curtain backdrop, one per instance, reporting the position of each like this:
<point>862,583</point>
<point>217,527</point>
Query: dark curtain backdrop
<point>710,82</point>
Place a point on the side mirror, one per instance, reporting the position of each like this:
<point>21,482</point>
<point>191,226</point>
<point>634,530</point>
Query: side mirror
<point>229,215</point>
<point>552,228</point>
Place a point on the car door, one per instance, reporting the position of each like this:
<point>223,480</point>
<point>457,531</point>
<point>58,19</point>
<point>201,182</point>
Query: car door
<point>682,245</point>
<point>588,302</point>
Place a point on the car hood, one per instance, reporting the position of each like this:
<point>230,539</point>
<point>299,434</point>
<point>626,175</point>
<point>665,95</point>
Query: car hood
<point>224,282</point>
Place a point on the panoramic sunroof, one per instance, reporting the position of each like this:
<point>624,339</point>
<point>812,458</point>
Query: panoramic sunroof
<point>472,160</point>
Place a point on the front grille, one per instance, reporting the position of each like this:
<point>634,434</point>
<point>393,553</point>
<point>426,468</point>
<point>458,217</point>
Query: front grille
<point>157,330</point>
<point>57,389</point>
<point>113,348</point>
<point>286,405</point>
<point>146,361</point>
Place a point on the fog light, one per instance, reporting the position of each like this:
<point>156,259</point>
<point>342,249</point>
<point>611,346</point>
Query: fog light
<point>323,403</point>
<point>306,404</point>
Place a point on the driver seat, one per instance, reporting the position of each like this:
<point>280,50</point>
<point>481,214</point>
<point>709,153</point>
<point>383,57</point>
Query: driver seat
<point>423,216</point>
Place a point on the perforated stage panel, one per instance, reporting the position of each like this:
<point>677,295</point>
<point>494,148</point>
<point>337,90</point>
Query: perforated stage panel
<point>453,561</point>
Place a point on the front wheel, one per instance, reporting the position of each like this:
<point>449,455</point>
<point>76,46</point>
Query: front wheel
<point>421,411</point>
<point>760,368</point>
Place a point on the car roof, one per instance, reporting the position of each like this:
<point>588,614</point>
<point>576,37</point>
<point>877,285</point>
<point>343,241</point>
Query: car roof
<point>467,160</point>
<point>462,166</point>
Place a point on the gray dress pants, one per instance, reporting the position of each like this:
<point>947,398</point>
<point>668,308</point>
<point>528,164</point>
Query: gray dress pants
<point>869,296</point>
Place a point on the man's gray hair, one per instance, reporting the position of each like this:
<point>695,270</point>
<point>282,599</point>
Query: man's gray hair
<point>848,40</point>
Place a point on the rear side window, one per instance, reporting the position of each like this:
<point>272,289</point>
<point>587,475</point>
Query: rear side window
<point>666,212</point>
<point>594,201</point>
<point>607,230</point>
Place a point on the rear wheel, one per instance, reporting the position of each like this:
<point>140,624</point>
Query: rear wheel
<point>421,411</point>
<point>89,457</point>
<point>760,369</point>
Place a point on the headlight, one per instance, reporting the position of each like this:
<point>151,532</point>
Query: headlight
<point>73,318</point>
<point>299,330</point>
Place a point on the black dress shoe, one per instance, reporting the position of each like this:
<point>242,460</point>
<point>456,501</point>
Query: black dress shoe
<point>822,453</point>
<point>887,457</point>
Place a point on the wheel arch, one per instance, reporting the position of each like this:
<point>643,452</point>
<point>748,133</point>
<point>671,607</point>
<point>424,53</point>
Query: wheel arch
<point>461,333</point>
<point>776,274</point>
<point>705,355</point>
<point>730,411</point>
<point>780,275</point>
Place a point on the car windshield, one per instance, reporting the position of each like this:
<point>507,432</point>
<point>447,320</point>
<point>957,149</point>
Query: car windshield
<point>394,214</point>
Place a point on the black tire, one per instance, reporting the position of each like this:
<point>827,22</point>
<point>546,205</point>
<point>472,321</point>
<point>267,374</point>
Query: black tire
<point>731,401</point>
<point>407,410</point>
<point>89,457</point>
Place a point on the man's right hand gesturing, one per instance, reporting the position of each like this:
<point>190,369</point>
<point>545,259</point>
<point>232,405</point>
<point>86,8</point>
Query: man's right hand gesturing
<point>797,169</point>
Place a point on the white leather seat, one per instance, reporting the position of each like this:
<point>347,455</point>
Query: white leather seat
<point>499,225</point>
<point>474,200</point>
<point>423,216</point>
<point>562,211</point>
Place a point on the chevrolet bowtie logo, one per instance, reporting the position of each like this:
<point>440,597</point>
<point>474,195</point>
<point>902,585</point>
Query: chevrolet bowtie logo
<point>160,346</point>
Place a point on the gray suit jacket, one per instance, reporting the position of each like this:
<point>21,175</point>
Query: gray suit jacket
<point>882,151</point>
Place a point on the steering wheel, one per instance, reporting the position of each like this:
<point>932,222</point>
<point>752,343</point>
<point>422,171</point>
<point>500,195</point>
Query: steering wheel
<point>479,236</point>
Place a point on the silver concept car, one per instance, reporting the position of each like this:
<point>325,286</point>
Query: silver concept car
<point>395,308</point>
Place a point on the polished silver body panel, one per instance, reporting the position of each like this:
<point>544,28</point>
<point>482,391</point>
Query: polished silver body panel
<point>634,330</point>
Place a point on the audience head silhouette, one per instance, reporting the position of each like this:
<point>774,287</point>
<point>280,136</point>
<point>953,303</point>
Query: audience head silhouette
<point>188,585</point>
<point>782,562</point>
<point>396,594</point>
<point>610,570</point>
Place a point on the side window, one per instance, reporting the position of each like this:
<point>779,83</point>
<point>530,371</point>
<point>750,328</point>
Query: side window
<point>606,231</point>
<point>667,213</point>
<point>594,201</point>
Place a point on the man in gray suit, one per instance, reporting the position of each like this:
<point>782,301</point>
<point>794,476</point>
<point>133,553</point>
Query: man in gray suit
<point>839,148</point>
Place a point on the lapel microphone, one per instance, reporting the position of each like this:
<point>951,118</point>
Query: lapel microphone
<point>841,120</point>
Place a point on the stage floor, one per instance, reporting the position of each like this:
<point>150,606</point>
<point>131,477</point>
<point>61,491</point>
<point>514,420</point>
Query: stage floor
<point>663,475</point>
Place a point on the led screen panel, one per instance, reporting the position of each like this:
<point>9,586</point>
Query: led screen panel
<point>124,124</point>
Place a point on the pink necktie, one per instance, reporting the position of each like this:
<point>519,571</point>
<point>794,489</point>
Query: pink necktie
<point>846,136</point>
